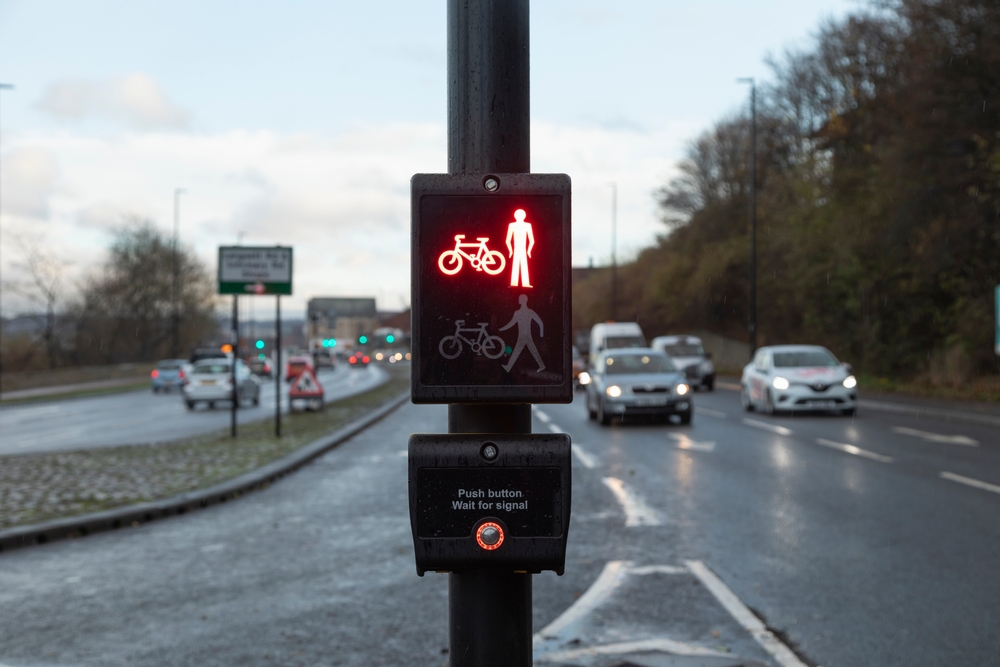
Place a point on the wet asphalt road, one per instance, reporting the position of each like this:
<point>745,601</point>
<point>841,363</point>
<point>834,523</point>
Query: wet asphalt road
<point>863,556</point>
<point>142,417</point>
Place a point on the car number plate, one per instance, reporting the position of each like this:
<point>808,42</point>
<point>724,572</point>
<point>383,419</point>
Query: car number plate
<point>649,402</point>
<point>823,404</point>
<point>204,382</point>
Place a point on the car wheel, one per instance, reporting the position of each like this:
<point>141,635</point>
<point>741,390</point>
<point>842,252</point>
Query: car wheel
<point>685,417</point>
<point>211,405</point>
<point>849,412</point>
<point>190,405</point>
<point>710,385</point>
<point>591,412</point>
<point>745,400</point>
<point>769,404</point>
<point>602,416</point>
<point>156,390</point>
<point>256,400</point>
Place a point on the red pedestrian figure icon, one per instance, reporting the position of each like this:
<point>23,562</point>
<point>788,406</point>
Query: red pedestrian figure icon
<point>523,317</point>
<point>519,232</point>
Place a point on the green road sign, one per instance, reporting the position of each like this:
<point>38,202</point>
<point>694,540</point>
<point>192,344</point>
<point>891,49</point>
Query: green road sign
<point>255,270</point>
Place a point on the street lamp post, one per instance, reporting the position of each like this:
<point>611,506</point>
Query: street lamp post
<point>3,86</point>
<point>752,326</point>
<point>614,252</point>
<point>175,338</point>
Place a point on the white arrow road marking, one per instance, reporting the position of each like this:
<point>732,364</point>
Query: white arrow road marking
<point>851,449</point>
<point>662,644</point>
<point>684,442</point>
<point>612,576</point>
<point>657,569</point>
<point>709,412</point>
<point>969,481</point>
<point>555,428</point>
<point>637,512</point>
<point>583,456</point>
<point>937,437</point>
<point>774,428</point>
<point>781,653</point>
<point>542,416</point>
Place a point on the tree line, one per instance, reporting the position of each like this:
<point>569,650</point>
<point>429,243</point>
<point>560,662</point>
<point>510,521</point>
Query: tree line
<point>122,312</point>
<point>878,200</point>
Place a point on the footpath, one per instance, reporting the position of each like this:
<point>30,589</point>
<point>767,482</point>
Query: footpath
<point>975,412</point>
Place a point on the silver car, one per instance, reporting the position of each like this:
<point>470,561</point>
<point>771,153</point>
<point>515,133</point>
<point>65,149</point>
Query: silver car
<point>211,380</point>
<point>637,381</point>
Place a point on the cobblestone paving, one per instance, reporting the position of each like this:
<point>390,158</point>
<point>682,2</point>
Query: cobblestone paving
<point>39,487</point>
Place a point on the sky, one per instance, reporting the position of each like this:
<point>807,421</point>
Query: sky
<point>300,123</point>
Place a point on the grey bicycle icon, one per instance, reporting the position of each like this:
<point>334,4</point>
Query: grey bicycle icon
<point>483,343</point>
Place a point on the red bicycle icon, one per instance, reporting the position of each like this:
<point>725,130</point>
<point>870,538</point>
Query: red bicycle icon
<point>484,259</point>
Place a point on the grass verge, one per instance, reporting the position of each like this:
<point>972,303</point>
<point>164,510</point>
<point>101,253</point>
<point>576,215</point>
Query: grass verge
<point>40,487</point>
<point>79,393</point>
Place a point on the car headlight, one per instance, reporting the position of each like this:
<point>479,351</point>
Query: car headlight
<point>850,382</point>
<point>614,391</point>
<point>584,377</point>
<point>682,389</point>
<point>779,383</point>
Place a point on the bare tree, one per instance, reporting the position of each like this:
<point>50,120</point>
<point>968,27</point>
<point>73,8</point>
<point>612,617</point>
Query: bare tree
<point>43,286</point>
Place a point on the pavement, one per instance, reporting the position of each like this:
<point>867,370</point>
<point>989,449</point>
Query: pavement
<point>142,417</point>
<point>741,539</point>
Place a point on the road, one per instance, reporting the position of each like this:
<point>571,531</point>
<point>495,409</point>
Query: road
<point>842,533</point>
<point>142,417</point>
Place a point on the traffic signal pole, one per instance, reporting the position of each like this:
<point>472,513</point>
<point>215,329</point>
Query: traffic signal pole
<point>488,132</point>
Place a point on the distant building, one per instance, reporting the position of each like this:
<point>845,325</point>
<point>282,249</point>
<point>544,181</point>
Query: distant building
<point>341,318</point>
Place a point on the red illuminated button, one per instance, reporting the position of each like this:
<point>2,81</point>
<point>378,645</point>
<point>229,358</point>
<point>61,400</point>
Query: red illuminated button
<point>489,536</point>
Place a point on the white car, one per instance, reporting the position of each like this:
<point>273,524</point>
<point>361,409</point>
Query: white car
<point>689,355</point>
<point>787,378</point>
<point>211,380</point>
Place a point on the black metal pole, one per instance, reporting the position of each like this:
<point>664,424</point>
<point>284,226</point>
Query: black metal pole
<point>236,357</point>
<point>753,218</point>
<point>277,367</point>
<point>488,131</point>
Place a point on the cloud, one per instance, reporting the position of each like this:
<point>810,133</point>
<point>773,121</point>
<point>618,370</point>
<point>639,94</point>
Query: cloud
<point>135,99</point>
<point>30,179</point>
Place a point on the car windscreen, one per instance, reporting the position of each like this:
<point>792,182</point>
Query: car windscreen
<point>810,358</point>
<point>616,342</point>
<point>620,364</point>
<point>207,369</point>
<point>684,350</point>
<point>168,365</point>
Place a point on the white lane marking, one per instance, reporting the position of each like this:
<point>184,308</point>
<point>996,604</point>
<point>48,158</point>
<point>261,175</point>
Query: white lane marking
<point>851,449</point>
<point>781,653</point>
<point>969,481</point>
<point>542,416</point>
<point>710,413</point>
<point>684,442</point>
<point>583,456</point>
<point>611,577</point>
<point>657,569</point>
<point>637,512</point>
<point>774,428</point>
<point>555,428</point>
<point>670,646</point>
<point>937,437</point>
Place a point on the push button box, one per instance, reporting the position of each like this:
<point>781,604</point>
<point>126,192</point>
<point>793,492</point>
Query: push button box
<point>489,501</point>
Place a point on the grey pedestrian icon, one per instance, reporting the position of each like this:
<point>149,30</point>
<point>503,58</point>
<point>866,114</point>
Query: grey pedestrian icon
<point>523,317</point>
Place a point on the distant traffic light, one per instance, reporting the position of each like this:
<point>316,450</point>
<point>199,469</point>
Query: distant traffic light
<point>260,345</point>
<point>363,339</point>
<point>261,356</point>
<point>390,338</point>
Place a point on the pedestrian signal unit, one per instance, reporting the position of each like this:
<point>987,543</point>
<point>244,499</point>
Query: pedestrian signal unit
<point>491,280</point>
